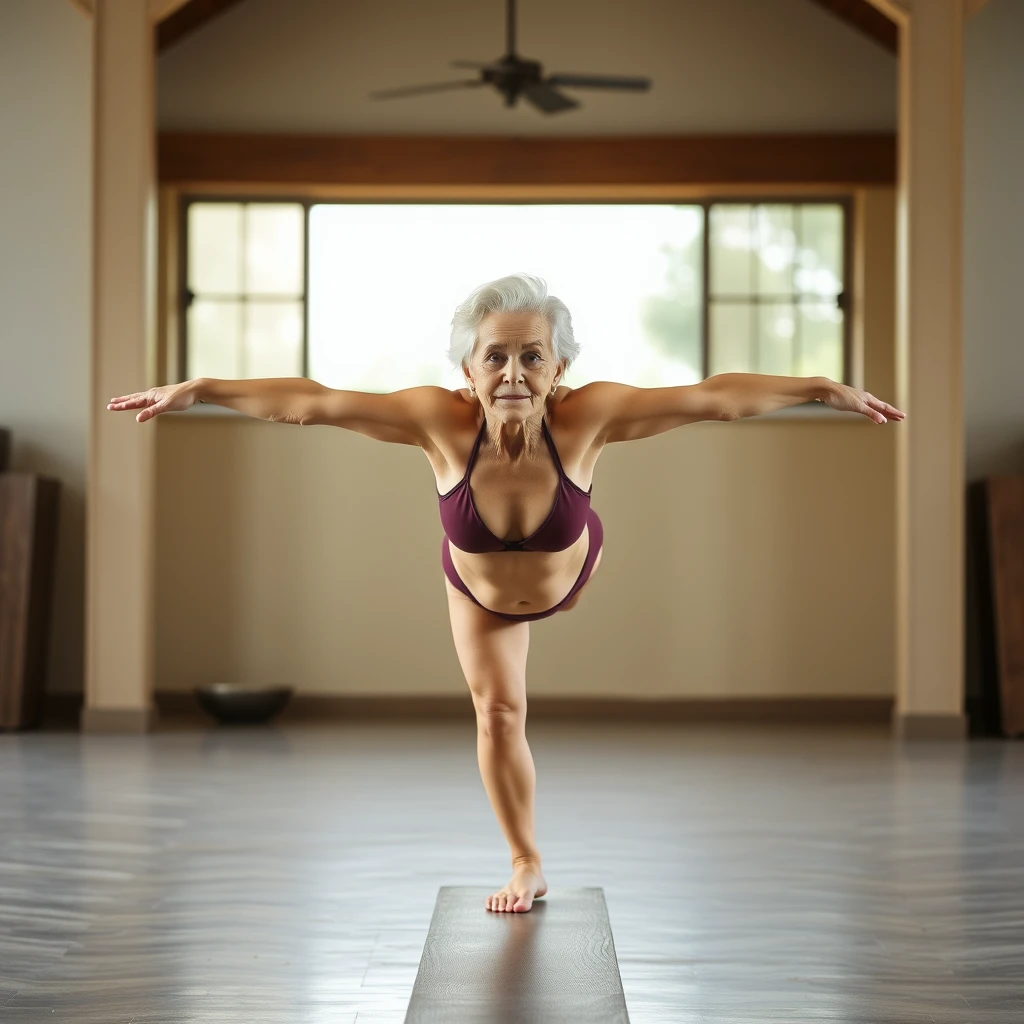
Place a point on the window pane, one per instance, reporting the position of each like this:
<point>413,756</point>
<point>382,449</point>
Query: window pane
<point>385,281</point>
<point>730,325</point>
<point>671,319</point>
<point>214,339</point>
<point>273,339</point>
<point>273,248</point>
<point>730,250</point>
<point>776,330</point>
<point>776,247</point>
<point>215,248</point>
<point>821,341</point>
<point>820,257</point>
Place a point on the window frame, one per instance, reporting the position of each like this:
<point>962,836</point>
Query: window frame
<point>184,201</point>
<point>847,299</point>
<point>181,198</point>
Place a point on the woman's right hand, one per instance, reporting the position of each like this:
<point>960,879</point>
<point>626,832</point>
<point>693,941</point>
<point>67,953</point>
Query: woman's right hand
<point>170,398</point>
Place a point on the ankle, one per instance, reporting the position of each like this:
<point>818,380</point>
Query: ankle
<point>526,860</point>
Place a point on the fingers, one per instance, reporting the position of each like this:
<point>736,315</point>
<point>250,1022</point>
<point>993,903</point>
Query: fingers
<point>148,414</point>
<point>880,410</point>
<point>128,401</point>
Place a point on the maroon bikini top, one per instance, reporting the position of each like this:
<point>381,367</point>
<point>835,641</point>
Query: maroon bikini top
<point>562,528</point>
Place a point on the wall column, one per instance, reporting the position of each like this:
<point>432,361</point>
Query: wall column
<point>120,497</point>
<point>930,465</point>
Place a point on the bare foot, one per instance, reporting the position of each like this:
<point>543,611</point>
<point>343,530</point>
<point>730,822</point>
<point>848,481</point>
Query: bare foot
<point>526,884</point>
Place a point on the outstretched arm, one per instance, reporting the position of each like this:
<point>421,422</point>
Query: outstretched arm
<point>754,394</point>
<point>279,399</point>
<point>621,412</point>
<point>410,416</point>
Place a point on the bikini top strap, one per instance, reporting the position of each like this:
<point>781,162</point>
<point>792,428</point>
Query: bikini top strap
<point>476,448</point>
<point>551,446</point>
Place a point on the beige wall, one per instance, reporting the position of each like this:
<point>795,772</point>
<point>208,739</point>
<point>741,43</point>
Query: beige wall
<point>214,620</point>
<point>743,559</point>
<point>45,279</point>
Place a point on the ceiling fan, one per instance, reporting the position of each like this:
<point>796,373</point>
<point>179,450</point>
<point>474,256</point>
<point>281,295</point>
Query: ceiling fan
<point>513,77</point>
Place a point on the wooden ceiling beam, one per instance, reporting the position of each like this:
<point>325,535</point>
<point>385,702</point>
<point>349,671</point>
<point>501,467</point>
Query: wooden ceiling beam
<point>866,18</point>
<point>188,18</point>
<point>375,160</point>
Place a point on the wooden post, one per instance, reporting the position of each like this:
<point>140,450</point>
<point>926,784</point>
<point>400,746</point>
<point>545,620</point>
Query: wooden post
<point>120,501</point>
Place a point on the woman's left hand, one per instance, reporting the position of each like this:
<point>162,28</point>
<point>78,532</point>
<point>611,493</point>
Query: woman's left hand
<point>848,399</point>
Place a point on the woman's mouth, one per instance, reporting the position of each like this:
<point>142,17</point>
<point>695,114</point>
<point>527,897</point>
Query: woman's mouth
<point>512,398</point>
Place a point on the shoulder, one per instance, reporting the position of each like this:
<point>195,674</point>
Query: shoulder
<point>448,417</point>
<point>588,396</point>
<point>437,406</point>
<point>581,413</point>
<point>586,406</point>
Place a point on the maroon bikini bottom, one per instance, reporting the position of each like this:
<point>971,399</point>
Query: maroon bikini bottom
<point>596,540</point>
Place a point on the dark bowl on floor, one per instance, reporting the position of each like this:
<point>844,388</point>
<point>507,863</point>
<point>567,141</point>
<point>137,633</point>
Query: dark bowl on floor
<point>238,703</point>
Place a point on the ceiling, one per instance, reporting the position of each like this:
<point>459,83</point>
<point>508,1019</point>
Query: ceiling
<point>728,66</point>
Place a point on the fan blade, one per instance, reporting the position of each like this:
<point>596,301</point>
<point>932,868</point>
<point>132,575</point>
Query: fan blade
<point>478,64</point>
<point>599,82</point>
<point>549,100</point>
<point>416,90</point>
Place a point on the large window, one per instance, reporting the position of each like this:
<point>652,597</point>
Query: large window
<point>361,296</point>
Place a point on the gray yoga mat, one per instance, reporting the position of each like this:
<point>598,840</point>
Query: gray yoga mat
<point>555,963</point>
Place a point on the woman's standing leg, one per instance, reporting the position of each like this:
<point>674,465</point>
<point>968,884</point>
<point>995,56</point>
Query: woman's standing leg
<point>492,653</point>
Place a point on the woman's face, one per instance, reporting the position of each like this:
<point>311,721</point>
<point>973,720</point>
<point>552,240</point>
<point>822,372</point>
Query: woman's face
<point>513,357</point>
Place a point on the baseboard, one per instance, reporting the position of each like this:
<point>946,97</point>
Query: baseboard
<point>911,726</point>
<point>338,707</point>
<point>65,709</point>
<point>118,720</point>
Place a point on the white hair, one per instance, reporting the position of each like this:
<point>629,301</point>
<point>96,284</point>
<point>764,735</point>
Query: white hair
<point>517,293</point>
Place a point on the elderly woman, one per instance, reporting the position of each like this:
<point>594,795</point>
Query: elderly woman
<point>513,454</point>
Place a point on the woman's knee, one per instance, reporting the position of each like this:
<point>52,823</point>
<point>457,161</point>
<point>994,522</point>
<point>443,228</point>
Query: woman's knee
<point>497,717</point>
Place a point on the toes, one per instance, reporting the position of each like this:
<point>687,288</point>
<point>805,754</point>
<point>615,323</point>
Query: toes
<point>509,902</point>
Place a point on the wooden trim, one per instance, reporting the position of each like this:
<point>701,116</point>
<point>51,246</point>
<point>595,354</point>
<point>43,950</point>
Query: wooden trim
<point>467,161</point>
<point>118,720</point>
<point>782,710</point>
<point>161,9</point>
<point>188,18</point>
<point>168,287</point>
<point>866,19</point>
<point>857,273</point>
<point>930,727</point>
<point>897,11</point>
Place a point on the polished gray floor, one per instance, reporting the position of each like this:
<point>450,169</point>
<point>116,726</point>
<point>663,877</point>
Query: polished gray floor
<point>290,875</point>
